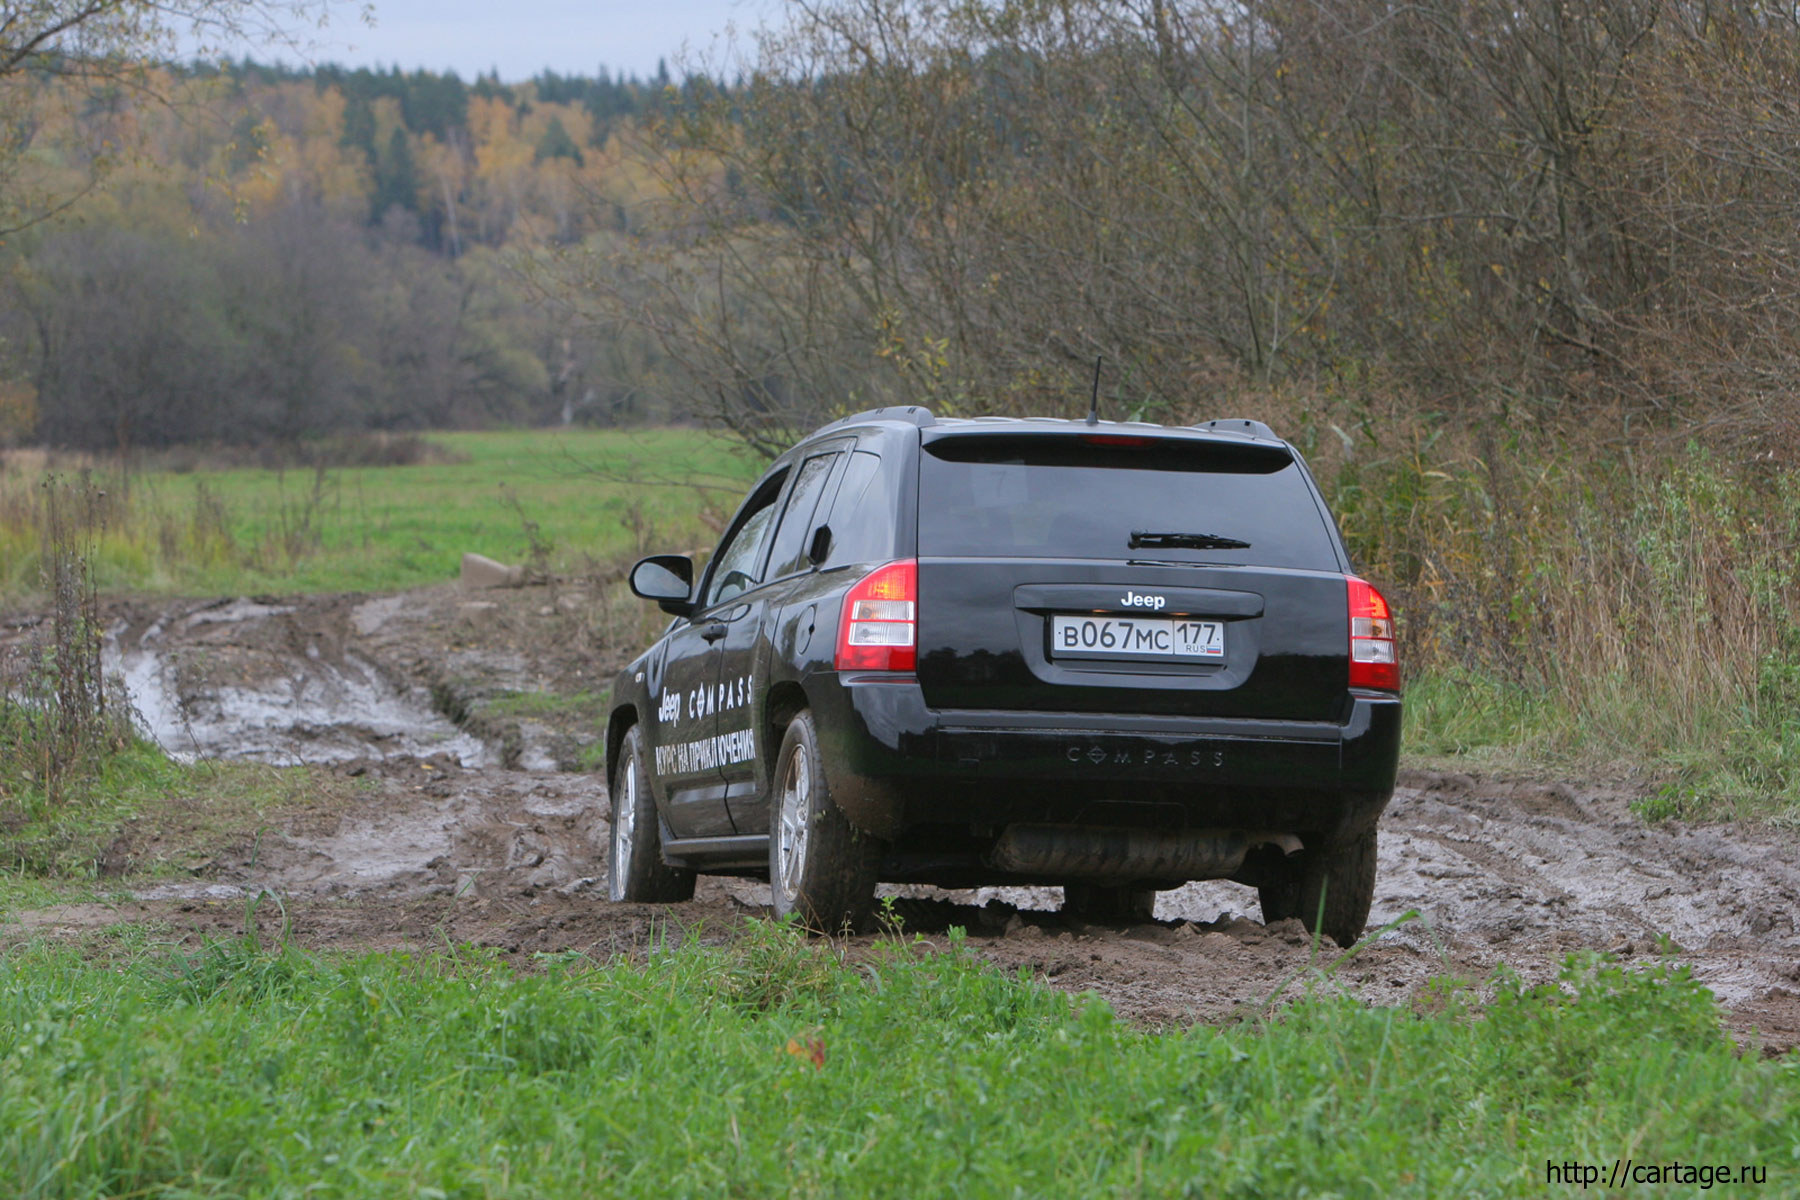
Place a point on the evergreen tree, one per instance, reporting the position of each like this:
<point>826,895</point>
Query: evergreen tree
<point>556,143</point>
<point>396,179</point>
<point>359,127</point>
<point>435,104</point>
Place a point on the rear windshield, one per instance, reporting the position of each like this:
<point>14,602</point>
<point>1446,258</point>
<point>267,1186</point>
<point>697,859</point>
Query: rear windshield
<point>1067,497</point>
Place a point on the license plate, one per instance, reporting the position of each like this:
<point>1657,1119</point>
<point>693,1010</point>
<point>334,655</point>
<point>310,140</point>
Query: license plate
<point>1136,637</point>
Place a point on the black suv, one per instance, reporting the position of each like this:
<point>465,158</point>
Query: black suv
<point>1110,656</point>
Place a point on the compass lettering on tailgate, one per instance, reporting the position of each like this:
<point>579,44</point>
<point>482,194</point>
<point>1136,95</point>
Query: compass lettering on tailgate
<point>1149,757</point>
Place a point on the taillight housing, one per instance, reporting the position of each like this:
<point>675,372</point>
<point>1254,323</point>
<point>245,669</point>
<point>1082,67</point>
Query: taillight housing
<point>879,628</point>
<point>1374,658</point>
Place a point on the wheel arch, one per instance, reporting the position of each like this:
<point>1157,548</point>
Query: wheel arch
<point>621,720</point>
<point>785,701</point>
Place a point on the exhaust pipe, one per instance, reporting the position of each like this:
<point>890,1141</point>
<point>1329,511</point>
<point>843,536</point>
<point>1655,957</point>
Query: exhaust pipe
<point>1118,856</point>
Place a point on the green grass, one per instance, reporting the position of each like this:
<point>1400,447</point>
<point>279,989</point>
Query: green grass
<point>380,528</point>
<point>195,809</point>
<point>1747,768</point>
<point>583,705</point>
<point>771,1068</point>
<point>1453,713</point>
<point>63,839</point>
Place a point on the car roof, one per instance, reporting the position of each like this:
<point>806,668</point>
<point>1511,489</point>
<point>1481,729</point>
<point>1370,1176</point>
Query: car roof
<point>1237,429</point>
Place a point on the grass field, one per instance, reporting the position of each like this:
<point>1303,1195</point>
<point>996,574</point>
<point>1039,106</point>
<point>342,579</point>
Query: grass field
<point>589,496</point>
<point>773,1068</point>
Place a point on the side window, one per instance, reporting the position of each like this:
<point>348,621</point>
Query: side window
<point>862,523</point>
<point>734,566</point>
<point>791,537</point>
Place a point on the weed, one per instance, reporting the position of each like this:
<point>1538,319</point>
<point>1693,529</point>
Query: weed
<point>59,716</point>
<point>1667,802</point>
<point>537,547</point>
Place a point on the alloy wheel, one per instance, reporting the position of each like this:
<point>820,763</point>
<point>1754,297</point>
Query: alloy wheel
<point>624,828</point>
<point>796,805</point>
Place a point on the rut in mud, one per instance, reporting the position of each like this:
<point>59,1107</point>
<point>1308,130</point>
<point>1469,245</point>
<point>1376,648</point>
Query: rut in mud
<point>450,844</point>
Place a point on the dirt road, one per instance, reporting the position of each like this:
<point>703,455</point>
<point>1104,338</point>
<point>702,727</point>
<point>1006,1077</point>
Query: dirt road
<point>468,832</point>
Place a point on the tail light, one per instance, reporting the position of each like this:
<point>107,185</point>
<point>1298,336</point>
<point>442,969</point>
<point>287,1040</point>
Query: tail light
<point>1374,661</point>
<point>879,630</point>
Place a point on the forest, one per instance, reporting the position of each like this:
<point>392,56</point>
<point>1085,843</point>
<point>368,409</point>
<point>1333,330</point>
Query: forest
<point>244,254</point>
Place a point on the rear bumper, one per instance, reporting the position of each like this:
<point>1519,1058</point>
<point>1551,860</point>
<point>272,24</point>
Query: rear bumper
<point>894,764</point>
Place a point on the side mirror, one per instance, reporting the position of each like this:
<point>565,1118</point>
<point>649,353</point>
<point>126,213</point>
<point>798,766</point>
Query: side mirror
<point>821,545</point>
<point>667,579</point>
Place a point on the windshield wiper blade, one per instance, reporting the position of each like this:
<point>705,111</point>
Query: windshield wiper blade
<point>1186,541</point>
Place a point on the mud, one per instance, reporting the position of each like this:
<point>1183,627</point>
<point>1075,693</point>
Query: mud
<point>446,844</point>
<point>279,683</point>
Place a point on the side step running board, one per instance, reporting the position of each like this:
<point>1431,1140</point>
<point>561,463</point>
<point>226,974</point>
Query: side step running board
<point>747,850</point>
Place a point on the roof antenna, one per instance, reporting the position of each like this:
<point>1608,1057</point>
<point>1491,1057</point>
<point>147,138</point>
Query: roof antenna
<point>1094,404</point>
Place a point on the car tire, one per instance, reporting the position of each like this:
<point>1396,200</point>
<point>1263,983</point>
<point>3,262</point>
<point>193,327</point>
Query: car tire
<point>822,869</point>
<point>1343,874</point>
<point>1102,903</point>
<point>636,871</point>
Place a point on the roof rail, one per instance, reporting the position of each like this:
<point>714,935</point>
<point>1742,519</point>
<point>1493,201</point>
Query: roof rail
<point>912,414</point>
<point>1242,425</point>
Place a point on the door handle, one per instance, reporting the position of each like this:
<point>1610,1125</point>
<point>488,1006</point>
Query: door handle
<point>713,632</point>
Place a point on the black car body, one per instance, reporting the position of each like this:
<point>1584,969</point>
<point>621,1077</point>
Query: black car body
<point>1111,656</point>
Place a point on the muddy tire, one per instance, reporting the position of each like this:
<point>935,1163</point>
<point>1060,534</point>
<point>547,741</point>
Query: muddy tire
<point>1343,874</point>
<point>1101,903</point>
<point>635,868</point>
<point>822,869</point>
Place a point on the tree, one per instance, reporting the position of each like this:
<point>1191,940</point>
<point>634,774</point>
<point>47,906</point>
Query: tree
<point>54,53</point>
<point>396,180</point>
<point>1587,203</point>
<point>556,143</point>
<point>359,128</point>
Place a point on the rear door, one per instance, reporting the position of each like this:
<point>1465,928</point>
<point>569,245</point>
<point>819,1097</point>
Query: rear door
<point>1120,573</point>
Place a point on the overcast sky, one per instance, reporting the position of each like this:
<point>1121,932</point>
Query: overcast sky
<point>522,37</point>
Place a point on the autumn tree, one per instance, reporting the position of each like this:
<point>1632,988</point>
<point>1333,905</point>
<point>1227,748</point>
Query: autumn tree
<point>1575,212</point>
<point>54,53</point>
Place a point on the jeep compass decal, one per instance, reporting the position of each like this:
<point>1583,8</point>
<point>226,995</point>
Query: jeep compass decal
<point>701,702</point>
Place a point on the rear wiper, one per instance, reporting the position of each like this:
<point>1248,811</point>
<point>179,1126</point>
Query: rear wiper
<point>1186,541</point>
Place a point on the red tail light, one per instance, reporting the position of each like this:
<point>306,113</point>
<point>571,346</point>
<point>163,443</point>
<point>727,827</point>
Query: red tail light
<point>1374,659</point>
<point>879,630</point>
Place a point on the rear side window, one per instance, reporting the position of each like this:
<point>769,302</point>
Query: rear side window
<point>862,516</point>
<point>1069,497</point>
<point>789,554</point>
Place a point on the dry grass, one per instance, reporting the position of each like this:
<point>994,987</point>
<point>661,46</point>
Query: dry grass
<point>1592,602</point>
<point>1570,595</point>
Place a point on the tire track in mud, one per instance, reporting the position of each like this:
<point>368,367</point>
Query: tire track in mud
<point>441,849</point>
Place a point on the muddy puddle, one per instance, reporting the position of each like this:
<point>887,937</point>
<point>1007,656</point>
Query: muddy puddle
<point>264,681</point>
<point>443,843</point>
